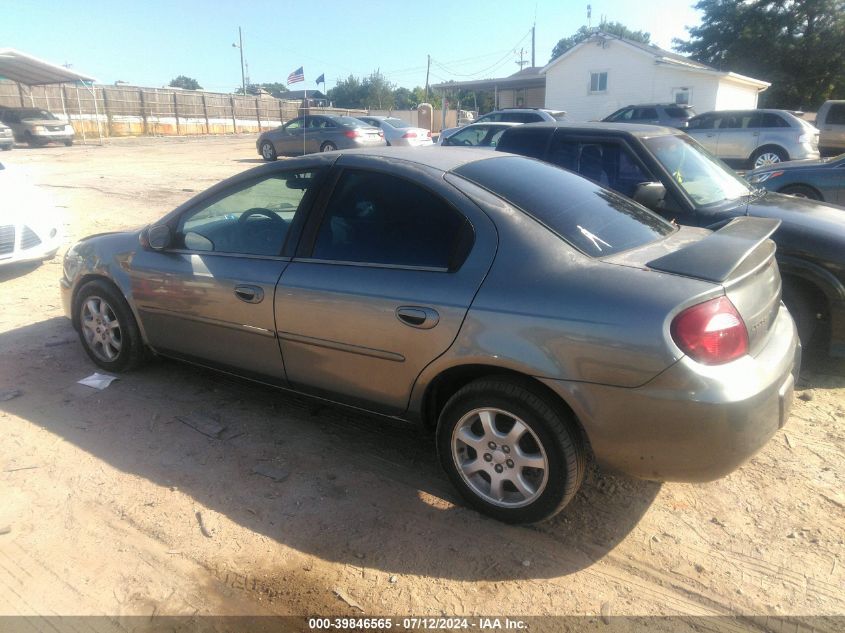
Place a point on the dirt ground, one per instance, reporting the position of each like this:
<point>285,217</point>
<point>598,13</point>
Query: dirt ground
<point>102,490</point>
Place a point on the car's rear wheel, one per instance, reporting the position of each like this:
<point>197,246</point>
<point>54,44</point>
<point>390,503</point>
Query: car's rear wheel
<point>69,143</point>
<point>801,191</point>
<point>328,146</point>
<point>803,305</point>
<point>268,151</point>
<point>768,156</point>
<point>107,327</point>
<point>511,451</point>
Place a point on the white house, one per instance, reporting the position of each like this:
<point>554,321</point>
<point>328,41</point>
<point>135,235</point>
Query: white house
<point>607,72</point>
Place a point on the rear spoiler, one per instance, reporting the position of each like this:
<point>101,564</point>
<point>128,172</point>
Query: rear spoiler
<point>719,255</point>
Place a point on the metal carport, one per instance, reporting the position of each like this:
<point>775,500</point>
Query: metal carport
<point>31,71</point>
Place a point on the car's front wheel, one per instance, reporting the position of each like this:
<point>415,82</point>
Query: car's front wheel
<point>768,156</point>
<point>511,451</point>
<point>107,327</point>
<point>268,152</point>
<point>801,191</point>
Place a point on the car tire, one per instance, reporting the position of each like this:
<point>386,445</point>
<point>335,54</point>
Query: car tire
<point>512,452</point>
<point>802,191</point>
<point>68,143</point>
<point>107,327</point>
<point>31,140</point>
<point>8,149</point>
<point>768,156</point>
<point>268,151</point>
<point>802,307</point>
<point>328,146</point>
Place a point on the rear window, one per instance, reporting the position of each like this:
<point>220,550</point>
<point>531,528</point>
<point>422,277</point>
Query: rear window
<point>596,221</point>
<point>525,141</point>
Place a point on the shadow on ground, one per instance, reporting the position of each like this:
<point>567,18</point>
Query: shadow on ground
<point>361,488</point>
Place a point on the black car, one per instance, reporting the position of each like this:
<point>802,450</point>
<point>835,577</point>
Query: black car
<point>671,174</point>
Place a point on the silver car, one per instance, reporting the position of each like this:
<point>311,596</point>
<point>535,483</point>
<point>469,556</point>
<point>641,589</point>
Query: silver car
<point>317,133</point>
<point>478,135</point>
<point>36,127</point>
<point>7,139</point>
<point>755,138</point>
<point>525,315</point>
<point>399,133</point>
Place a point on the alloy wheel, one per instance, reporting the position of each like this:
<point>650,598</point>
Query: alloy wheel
<point>101,329</point>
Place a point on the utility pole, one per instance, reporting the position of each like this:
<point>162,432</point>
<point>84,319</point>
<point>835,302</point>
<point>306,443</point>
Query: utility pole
<point>522,61</point>
<point>427,69</point>
<point>533,28</point>
<point>240,45</point>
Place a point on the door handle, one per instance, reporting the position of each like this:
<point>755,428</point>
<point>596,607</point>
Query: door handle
<point>249,294</point>
<point>418,317</point>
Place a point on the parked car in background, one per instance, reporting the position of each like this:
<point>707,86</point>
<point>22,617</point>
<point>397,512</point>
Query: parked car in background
<point>822,179</point>
<point>398,132</point>
<point>755,138</point>
<point>317,133</point>
<point>830,120</point>
<point>387,279</point>
<point>30,227</point>
<point>36,127</point>
<point>510,115</point>
<point>669,114</point>
<point>668,172</point>
<point>7,139</point>
<point>478,135</point>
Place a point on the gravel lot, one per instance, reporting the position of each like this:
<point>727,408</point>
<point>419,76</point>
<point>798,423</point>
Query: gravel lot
<point>102,490</point>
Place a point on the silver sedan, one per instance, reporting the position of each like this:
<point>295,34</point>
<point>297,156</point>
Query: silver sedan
<point>317,133</point>
<point>525,315</point>
<point>398,132</point>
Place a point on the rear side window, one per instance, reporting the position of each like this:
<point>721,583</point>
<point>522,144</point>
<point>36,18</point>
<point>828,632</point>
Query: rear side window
<point>375,218</point>
<point>679,113</point>
<point>770,119</point>
<point>836,114</point>
<point>596,221</point>
<point>525,141</point>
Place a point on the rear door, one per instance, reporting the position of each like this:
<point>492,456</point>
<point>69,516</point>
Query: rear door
<point>739,135</point>
<point>704,129</point>
<point>381,283</point>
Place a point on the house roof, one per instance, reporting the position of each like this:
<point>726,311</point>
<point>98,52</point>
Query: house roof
<point>31,71</point>
<point>660,56</point>
<point>529,77</point>
<point>303,94</point>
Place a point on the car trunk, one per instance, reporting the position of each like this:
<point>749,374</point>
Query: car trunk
<point>739,257</point>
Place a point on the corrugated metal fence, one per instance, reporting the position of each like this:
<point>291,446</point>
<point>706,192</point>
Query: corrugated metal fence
<point>135,111</point>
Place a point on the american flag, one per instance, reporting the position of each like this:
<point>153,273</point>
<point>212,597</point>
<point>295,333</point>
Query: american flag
<point>296,76</point>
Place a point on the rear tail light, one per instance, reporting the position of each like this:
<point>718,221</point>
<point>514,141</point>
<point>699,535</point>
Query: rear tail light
<point>711,332</point>
<point>354,133</point>
<point>409,135</point>
<point>380,133</point>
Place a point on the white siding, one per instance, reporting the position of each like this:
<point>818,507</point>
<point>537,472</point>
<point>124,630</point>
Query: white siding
<point>734,96</point>
<point>632,77</point>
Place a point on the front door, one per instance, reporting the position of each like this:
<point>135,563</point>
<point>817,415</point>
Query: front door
<point>381,286</point>
<point>209,299</point>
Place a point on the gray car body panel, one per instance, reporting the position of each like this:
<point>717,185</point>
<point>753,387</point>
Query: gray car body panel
<point>594,331</point>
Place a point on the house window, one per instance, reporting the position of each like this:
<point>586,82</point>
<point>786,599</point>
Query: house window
<point>598,82</point>
<point>682,96</point>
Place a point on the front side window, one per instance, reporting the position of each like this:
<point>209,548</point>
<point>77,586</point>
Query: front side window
<point>598,82</point>
<point>702,123</point>
<point>623,115</point>
<point>482,136</point>
<point>296,124</point>
<point>645,113</point>
<point>253,220</point>
<point>375,218</point>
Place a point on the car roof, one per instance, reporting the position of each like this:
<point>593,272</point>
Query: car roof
<point>657,105</point>
<point>600,127</point>
<point>489,123</point>
<point>441,158</point>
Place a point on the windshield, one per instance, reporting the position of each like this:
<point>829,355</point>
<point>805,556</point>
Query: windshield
<point>35,115</point>
<point>704,178</point>
<point>397,123</point>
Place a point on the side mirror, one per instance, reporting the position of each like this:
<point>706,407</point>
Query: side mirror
<point>650,195</point>
<point>159,237</point>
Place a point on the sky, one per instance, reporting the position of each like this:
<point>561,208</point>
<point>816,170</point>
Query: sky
<point>150,42</point>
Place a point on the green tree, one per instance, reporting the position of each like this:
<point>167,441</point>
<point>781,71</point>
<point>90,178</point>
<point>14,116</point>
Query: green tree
<point>348,93</point>
<point>584,33</point>
<point>188,83</point>
<point>378,92</point>
<point>403,99</point>
<point>797,45</point>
